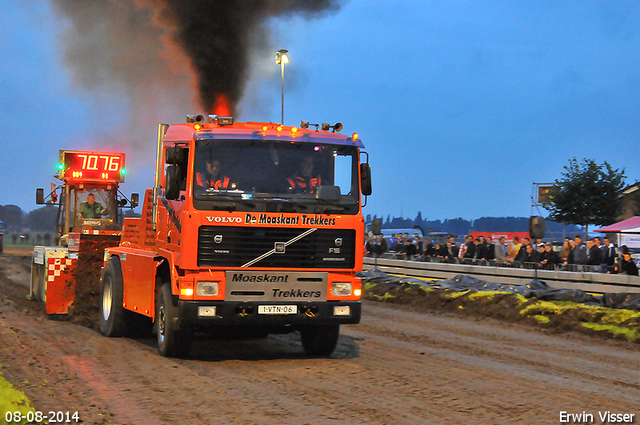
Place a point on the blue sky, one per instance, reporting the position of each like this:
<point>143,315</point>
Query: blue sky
<point>462,105</point>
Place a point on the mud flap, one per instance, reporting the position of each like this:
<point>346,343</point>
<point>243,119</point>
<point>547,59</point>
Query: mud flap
<point>60,285</point>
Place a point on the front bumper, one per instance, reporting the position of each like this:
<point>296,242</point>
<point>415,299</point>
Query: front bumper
<point>238,313</point>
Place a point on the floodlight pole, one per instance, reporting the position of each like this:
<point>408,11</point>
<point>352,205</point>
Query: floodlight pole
<point>282,101</point>
<point>281,59</point>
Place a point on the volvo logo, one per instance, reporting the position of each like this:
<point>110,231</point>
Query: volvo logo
<point>338,241</point>
<point>217,238</point>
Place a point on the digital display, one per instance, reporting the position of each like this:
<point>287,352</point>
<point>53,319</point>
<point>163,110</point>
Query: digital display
<point>92,166</point>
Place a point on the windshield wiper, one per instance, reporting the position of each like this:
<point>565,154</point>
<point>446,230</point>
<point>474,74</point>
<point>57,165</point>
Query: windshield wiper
<point>285,201</point>
<point>216,196</point>
<point>329,203</point>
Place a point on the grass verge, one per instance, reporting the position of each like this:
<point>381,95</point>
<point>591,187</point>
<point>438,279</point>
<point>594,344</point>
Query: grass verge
<point>12,400</point>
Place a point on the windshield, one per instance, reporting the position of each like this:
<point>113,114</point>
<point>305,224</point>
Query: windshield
<point>275,176</point>
<point>93,206</point>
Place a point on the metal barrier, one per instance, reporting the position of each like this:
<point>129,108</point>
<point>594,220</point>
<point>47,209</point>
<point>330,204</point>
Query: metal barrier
<point>585,280</point>
<point>497,263</point>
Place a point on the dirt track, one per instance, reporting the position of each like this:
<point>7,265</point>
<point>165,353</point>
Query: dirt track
<point>397,367</point>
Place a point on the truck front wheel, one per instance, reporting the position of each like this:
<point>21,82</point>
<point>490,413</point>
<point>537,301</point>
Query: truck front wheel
<point>320,340</point>
<point>112,314</point>
<point>173,340</point>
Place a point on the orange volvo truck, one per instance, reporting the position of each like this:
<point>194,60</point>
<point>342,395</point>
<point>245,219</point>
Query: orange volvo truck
<point>251,229</point>
<point>88,219</point>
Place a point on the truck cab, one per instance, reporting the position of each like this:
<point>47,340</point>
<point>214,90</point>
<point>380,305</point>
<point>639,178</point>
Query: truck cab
<point>251,227</point>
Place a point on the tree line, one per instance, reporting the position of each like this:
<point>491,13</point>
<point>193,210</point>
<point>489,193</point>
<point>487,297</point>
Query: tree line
<point>39,220</point>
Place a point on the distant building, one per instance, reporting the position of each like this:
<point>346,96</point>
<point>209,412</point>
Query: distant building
<point>630,201</point>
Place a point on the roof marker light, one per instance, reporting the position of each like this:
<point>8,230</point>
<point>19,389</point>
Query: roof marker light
<point>265,128</point>
<point>355,136</point>
<point>294,130</point>
<point>225,120</point>
<point>279,128</point>
<point>197,127</point>
<point>60,166</point>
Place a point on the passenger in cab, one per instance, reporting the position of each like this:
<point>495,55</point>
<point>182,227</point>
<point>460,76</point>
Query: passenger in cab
<point>304,180</point>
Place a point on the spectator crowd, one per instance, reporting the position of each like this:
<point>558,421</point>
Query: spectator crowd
<point>597,255</point>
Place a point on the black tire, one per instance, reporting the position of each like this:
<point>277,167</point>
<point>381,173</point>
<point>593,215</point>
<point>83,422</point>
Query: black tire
<point>173,340</point>
<point>320,340</point>
<point>112,314</point>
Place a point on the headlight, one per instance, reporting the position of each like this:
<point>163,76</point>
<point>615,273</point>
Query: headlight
<point>207,289</point>
<point>341,289</point>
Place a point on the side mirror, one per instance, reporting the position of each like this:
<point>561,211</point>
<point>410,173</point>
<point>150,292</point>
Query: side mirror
<point>176,156</point>
<point>39,196</point>
<point>173,178</point>
<point>135,198</point>
<point>365,179</point>
<point>376,226</point>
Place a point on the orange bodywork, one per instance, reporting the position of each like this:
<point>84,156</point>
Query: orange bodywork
<point>60,285</point>
<point>61,290</point>
<point>81,172</point>
<point>174,241</point>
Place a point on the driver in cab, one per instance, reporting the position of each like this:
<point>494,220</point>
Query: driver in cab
<point>212,178</point>
<point>91,208</point>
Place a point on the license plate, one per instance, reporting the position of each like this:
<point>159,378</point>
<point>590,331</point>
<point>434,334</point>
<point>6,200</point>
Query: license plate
<point>277,309</point>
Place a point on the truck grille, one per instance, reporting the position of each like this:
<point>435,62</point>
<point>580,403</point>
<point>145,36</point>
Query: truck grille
<point>220,246</point>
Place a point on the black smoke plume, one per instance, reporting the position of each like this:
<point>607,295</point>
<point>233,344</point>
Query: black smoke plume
<point>153,50</point>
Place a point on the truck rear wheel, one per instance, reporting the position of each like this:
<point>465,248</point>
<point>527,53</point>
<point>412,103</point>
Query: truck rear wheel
<point>173,340</point>
<point>320,340</point>
<point>112,313</point>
